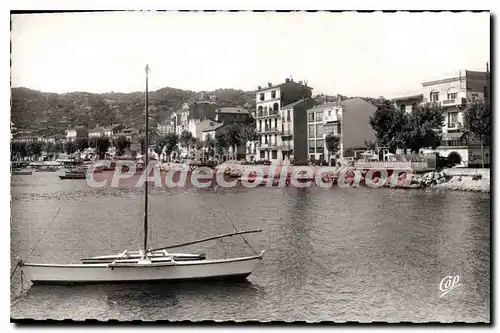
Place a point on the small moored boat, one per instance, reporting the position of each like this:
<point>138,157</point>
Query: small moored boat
<point>146,264</point>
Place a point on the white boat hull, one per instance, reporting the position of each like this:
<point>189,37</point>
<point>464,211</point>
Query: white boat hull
<point>180,270</point>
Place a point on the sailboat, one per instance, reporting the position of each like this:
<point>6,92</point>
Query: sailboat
<point>146,264</point>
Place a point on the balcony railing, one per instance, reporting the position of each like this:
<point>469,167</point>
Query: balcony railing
<point>454,102</point>
<point>264,114</point>
<point>286,132</point>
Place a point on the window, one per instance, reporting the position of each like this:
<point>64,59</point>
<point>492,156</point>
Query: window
<point>434,97</point>
<point>274,154</point>
<point>312,146</point>
<point>262,154</point>
<point>273,94</point>
<point>319,116</point>
<point>328,128</point>
<point>276,107</point>
<point>329,113</point>
<point>319,131</point>
<point>282,128</point>
<point>402,107</point>
<point>452,95</point>
<point>311,117</point>
<point>287,115</point>
<point>265,140</point>
<point>260,111</point>
<point>311,131</point>
<point>320,146</point>
<point>276,123</point>
<point>452,119</point>
<point>261,96</point>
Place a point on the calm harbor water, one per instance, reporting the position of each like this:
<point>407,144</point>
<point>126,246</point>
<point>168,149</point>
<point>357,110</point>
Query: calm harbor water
<point>333,254</point>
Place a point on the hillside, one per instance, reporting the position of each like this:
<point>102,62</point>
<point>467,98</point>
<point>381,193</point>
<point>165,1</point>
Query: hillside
<point>50,113</point>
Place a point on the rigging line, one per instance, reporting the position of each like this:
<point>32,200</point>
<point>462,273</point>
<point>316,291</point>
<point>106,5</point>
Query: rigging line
<point>231,223</point>
<point>40,238</point>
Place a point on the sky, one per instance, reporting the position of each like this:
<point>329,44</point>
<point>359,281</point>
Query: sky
<point>354,54</point>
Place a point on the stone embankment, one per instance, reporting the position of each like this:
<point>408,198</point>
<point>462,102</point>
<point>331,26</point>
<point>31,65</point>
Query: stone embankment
<point>472,180</point>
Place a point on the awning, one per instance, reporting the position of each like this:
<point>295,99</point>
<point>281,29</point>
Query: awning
<point>453,136</point>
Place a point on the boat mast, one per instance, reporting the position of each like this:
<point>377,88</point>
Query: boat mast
<point>146,160</point>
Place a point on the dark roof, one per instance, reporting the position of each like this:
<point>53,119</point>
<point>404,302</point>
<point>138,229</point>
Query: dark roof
<point>202,110</point>
<point>402,98</point>
<point>97,129</point>
<point>214,127</point>
<point>231,109</point>
<point>294,104</point>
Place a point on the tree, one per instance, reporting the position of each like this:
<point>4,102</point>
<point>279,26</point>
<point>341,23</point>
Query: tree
<point>332,143</point>
<point>121,144</point>
<point>58,147</point>
<point>102,146</point>
<point>388,124</point>
<point>221,144</point>
<point>421,128</point>
<point>69,147</point>
<point>477,119</point>
<point>209,145</point>
<point>186,139</point>
<point>82,144</point>
<point>234,137</point>
<point>142,141</point>
<point>170,142</point>
<point>93,142</point>
<point>370,145</point>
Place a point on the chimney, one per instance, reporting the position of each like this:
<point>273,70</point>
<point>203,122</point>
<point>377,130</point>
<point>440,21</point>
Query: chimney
<point>300,82</point>
<point>259,88</point>
<point>269,84</point>
<point>339,98</point>
<point>287,80</point>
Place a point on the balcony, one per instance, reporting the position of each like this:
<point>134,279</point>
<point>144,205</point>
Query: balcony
<point>455,126</point>
<point>269,114</point>
<point>286,133</point>
<point>331,119</point>
<point>286,146</point>
<point>454,102</point>
<point>269,145</point>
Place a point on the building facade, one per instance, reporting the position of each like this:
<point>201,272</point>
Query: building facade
<point>269,101</point>
<point>293,131</point>
<point>231,115</point>
<point>452,94</point>
<point>348,119</point>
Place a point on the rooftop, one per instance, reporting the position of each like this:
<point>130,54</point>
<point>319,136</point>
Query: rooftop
<point>292,105</point>
<point>214,127</point>
<point>287,82</point>
<point>231,109</point>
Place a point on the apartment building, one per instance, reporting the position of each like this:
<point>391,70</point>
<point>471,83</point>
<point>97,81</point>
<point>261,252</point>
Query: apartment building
<point>293,131</point>
<point>269,101</point>
<point>452,93</point>
<point>349,119</point>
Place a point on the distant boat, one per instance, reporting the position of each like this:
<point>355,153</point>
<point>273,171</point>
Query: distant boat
<point>46,169</point>
<point>73,176</point>
<point>22,172</point>
<point>146,264</point>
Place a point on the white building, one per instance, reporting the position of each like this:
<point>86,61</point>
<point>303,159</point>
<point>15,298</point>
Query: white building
<point>452,93</point>
<point>269,101</point>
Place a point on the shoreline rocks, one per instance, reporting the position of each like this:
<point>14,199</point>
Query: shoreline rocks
<point>464,182</point>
